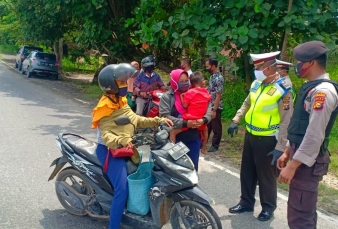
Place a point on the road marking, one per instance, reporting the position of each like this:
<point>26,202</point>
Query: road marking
<point>281,196</point>
<point>81,101</point>
<point>7,64</point>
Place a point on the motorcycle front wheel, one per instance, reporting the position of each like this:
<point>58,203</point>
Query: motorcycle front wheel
<point>196,215</point>
<point>73,178</point>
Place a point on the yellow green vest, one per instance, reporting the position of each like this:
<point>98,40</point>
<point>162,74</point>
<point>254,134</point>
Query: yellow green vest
<point>262,119</point>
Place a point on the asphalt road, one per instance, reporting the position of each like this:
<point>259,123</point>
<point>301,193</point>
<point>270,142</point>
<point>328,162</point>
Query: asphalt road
<point>32,113</point>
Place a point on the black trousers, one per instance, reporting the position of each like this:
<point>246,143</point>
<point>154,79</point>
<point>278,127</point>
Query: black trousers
<point>215,125</point>
<point>256,167</point>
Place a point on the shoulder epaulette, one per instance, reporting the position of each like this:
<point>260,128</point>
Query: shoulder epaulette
<point>281,82</point>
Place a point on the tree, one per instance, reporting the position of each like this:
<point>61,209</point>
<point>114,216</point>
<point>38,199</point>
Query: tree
<point>254,26</point>
<point>9,24</point>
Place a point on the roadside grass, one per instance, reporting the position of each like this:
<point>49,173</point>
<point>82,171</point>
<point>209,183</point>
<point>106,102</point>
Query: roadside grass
<point>328,198</point>
<point>88,64</point>
<point>90,91</point>
<point>8,49</point>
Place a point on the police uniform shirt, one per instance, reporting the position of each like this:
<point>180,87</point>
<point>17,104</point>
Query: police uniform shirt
<point>320,102</point>
<point>285,107</point>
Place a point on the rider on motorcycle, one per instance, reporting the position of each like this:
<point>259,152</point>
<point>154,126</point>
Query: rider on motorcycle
<point>148,80</point>
<point>113,104</point>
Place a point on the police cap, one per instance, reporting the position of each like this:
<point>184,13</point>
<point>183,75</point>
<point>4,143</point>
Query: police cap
<point>309,50</point>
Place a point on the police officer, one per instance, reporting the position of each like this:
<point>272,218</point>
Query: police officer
<point>283,71</point>
<point>267,111</point>
<point>308,134</point>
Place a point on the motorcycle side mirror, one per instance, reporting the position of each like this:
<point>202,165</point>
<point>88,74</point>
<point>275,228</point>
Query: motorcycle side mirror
<point>122,120</point>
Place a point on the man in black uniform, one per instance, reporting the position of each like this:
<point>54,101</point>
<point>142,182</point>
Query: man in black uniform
<point>308,134</point>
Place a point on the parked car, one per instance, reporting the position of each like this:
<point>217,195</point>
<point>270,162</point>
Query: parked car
<point>40,63</point>
<point>22,54</point>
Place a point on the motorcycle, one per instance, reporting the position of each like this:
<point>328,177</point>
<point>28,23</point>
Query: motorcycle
<point>151,108</point>
<point>83,189</point>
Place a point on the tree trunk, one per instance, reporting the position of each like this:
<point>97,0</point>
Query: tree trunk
<point>60,54</point>
<point>202,63</point>
<point>56,50</point>
<point>248,77</point>
<point>283,55</point>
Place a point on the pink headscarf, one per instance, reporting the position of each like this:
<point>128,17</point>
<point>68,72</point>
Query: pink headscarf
<point>174,78</point>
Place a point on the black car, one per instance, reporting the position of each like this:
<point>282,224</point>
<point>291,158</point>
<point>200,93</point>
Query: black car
<point>22,54</point>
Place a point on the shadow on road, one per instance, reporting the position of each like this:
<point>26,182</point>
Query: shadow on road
<point>62,219</point>
<point>53,98</point>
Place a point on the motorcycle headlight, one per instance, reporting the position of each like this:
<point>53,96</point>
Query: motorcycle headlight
<point>188,173</point>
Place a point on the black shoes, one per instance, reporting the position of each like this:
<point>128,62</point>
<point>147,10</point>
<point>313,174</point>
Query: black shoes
<point>264,216</point>
<point>212,149</point>
<point>240,209</point>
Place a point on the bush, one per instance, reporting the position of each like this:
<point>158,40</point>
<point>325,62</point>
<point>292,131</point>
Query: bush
<point>9,49</point>
<point>233,96</point>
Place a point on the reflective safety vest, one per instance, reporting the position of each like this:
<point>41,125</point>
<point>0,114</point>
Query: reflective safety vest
<point>262,119</point>
<point>294,95</point>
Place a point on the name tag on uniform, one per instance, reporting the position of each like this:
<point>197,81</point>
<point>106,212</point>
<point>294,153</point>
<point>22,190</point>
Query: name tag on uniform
<point>255,87</point>
<point>271,91</point>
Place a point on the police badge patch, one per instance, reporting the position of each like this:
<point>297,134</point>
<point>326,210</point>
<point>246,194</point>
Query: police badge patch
<point>286,102</point>
<point>318,104</point>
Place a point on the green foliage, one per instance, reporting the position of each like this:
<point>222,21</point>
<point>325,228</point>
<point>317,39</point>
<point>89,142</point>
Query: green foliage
<point>88,64</point>
<point>233,96</point>
<point>209,26</point>
<point>9,49</point>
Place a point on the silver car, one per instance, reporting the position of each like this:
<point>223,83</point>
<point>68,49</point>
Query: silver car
<point>40,63</point>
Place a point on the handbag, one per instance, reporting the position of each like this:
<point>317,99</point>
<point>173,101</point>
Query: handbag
<point>121,152</point>
<point>139,184</point>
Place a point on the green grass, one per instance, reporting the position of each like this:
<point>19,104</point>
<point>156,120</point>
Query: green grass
<point>8,49</point>
<point>328,198</point>
<point>90,91</point>
<point>89,65</point>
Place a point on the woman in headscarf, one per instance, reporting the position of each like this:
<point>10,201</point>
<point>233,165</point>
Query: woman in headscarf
<point>171,107</point>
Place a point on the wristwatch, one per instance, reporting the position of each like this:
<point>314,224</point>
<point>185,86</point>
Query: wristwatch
<point>213,109</point>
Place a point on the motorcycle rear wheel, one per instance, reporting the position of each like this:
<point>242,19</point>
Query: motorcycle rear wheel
<point>73,178</point>
<point>198,216</point>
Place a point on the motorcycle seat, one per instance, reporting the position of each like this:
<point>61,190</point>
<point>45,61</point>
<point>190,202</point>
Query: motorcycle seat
<point>84,148</point>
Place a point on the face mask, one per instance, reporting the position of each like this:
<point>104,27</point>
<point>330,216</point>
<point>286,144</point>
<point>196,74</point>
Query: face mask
<point>208,70</point>
<point>122,85</point>
<point>183,87</point>
<point>260,76</point>
<point>123,91</point>
<point>299,70</point>
<point>149,68</point>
